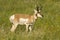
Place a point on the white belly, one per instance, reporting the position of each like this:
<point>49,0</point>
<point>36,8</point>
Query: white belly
<point>23,21</point>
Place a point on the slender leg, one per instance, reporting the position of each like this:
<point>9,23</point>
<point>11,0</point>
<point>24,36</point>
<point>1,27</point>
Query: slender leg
<point>27,28</point>
<point>30,28</point>
<point>14,26</point>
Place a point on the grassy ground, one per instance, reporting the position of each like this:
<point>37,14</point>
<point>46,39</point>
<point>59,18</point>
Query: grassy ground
<point>47,28</point>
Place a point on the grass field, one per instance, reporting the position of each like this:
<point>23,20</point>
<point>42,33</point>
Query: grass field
<point>47,28</point>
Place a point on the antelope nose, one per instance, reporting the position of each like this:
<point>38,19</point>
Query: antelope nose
<point>41,16</point>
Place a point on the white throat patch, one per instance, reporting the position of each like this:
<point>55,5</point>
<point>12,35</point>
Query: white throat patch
<point>35,17</point>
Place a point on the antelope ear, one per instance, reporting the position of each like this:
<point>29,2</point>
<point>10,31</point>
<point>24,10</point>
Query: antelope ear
<point>35,11</point>
<point>41,7</point>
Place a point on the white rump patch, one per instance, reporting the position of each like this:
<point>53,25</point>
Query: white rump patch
<point>12,18</point>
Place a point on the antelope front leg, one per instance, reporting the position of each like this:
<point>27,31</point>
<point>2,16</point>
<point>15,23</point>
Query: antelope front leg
<point>30,28</point>
<point>27,28</point>
<point>14,26</point>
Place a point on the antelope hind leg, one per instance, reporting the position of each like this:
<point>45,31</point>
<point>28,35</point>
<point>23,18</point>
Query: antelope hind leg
<point>13,28</point>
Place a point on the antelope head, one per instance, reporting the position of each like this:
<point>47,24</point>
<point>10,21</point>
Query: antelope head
<point>37,13</point>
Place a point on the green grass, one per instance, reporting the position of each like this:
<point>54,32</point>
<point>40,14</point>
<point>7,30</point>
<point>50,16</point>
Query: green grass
<point>47,28</point>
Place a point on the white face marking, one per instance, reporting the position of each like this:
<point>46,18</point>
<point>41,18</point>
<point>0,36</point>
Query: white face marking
<point>23,21</point>
<point>39,15</point>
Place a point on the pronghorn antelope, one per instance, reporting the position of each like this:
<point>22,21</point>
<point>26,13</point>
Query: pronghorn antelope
<point>24,19</point>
